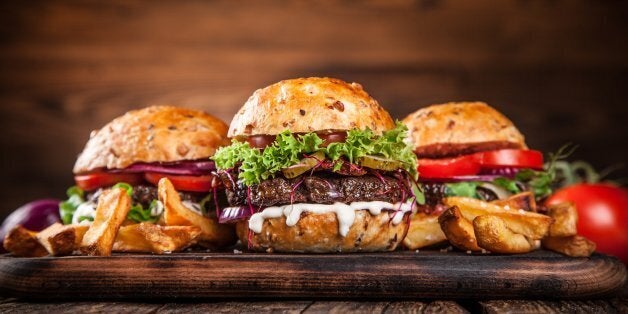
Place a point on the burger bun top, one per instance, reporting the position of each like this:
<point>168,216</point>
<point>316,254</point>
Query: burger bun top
<point>152,134</point>
<point>459,128</point>
<point>309,104</point>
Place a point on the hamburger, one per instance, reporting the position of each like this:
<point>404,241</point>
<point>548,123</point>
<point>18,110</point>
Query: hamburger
<point>136,150</point>
<point>470,149</point>
<point>316,165</point>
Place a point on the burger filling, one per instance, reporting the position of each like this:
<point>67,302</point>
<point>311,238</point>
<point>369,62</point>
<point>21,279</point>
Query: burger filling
<point>191,178</point>
<point>487,175</point>
<point>317,173</point>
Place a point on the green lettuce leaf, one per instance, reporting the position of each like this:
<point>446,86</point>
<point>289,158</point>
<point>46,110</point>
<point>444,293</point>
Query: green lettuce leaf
<point>465,189</point>
<point>138,213</point>
<point>69,206</point>
<point>257,165</point>
<point>510,185</point>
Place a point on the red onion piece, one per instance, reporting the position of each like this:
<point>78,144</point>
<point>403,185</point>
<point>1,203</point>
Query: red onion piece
<point>35,216</point>
<point>485,177</point>
<point>183,168</point>
<point>231,214</point>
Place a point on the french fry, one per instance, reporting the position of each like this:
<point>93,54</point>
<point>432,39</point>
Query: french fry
<point>492,234</point>
<point>523,200</point>
<point>113,207</point>
<point>150,238</point>
<point>213,234</point>
<point>575,246</point>
<point>529,224</point>
<point>22,242</point>
<point>565,218</point>
<point>59,239</point>
<point>458,230</point>
<point>424,231</point>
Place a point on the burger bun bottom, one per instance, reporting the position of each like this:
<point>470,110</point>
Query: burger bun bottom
<point>318,233</point>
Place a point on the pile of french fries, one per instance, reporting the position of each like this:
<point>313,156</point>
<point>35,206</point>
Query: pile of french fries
<point>110,231</point>
<point>504,226</point>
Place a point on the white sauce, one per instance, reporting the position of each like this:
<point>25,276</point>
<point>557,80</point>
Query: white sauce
<point>87,209</point>
<point>157,210</point>
<point>196,207</point>
<point>344,213</point>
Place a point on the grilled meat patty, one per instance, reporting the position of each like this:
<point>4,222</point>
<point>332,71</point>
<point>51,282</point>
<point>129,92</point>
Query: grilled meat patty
<point>321,188</point>
<point>145,194</point>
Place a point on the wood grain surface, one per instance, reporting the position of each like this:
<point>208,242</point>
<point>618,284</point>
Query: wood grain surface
<point>399,275</point>
<point>557,68</point>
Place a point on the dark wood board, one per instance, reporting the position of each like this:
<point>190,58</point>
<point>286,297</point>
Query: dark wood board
<point>398,275</point>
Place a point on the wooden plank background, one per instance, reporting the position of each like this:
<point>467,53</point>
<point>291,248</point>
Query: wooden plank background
<point>557,68</point>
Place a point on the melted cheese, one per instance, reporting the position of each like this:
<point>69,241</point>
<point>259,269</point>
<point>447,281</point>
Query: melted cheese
<point>344,213</point>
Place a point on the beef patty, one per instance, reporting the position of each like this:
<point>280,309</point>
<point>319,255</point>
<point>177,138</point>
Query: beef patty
<point>145,194</point>
<point>320,188</point>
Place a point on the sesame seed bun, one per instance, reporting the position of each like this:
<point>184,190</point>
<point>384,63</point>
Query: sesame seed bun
<point>459,128</point>
<point>152,134</point>
<point>309,104</point>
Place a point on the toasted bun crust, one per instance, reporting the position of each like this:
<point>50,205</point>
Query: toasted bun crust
<point>318,233</point>
<point>309,104</point>
<point>460,128</point>
<point>153,134</point>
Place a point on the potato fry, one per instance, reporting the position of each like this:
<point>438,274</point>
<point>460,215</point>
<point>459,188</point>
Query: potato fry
<point>213,234</point>
<point>59,239</point>
<point>147,237</point>
<point>565,218</point>
<point>458,230</point>
<point>113,207</point>
<point>22,242</point>
<point>523,200</point>
<point>492,234</point>
<point>532,225</point>
<point>575,246</point>
<point>424,231</point>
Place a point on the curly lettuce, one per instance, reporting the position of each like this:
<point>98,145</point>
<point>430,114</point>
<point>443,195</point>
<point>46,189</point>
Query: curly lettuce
<point>256,165</point>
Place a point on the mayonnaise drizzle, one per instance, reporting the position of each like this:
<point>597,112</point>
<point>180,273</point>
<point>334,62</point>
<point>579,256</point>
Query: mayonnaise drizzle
<point>87,209</point>
<point>344,213</point>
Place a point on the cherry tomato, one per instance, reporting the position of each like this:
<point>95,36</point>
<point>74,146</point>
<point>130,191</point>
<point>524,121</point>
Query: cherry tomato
<point>184,183</point>
<point>448,167</point>
<point>520,158</point>
<point>602,215</point>
<point>93,181</point>
<point>260,141</point>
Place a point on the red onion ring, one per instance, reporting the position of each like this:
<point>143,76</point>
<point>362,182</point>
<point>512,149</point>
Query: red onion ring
<point>183,168</point>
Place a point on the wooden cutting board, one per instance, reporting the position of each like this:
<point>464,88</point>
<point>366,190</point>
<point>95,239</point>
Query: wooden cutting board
<point>425,275</point>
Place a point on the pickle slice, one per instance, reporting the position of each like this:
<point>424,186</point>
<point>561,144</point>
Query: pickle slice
<point>304,165</point>
<point>380,163</point>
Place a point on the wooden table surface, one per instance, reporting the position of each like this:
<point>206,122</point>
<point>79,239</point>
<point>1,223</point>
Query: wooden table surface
<point>614,305</point>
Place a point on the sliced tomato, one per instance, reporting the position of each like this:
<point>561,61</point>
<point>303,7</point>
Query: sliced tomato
<point>448,167</point>
<point>93,181</point>
<point>184,183</point>
<point>519,158</point>
<point>472,164</point>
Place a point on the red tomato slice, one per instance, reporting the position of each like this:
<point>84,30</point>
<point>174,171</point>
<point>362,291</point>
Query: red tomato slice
<point>184,183</point>
<point>520,158</point>
<point>472,164</point>
<point>93,181</point>
<point>448,167</point>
